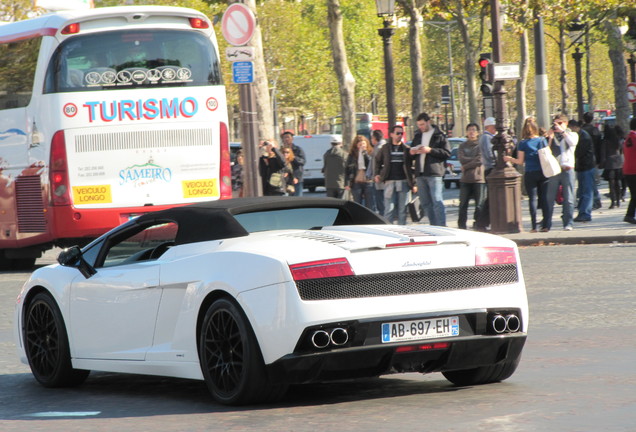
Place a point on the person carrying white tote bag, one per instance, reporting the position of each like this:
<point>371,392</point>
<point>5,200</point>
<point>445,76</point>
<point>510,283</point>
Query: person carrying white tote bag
<point>549,164</point>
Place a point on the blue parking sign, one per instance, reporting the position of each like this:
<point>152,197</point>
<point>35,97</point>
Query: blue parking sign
<point>243,72</point>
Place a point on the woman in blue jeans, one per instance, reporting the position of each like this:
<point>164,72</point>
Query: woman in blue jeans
<point>535,182</point>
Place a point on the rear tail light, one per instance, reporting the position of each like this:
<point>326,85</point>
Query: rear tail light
<point>495,255</point>
<point>73,28</point>
<point>321,269</point>
<point>225,172</point>
<point>199,23</point>
<point>58,171</point>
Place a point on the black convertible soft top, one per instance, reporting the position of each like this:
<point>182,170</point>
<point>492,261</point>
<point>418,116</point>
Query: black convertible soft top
<point>214,220</point>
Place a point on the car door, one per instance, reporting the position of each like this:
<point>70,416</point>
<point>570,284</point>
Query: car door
<point>113,313</point>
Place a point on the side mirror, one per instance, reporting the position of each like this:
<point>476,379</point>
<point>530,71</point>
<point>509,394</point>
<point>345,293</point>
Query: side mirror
<point>72,257</point>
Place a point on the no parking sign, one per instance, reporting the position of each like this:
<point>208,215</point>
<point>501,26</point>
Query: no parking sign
<point>238,24</point>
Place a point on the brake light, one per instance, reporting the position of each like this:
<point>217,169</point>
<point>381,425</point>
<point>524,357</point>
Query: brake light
<point>225,172</point>
<point>321,269</point>
<point>421,243</point>
<point>199,23</point>
<point>495,255</point>
<point>58,171</point>
<point>71,29</point>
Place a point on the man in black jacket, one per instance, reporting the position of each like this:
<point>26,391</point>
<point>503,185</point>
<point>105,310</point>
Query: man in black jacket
<point>429,150</point>
<point>584,165</point>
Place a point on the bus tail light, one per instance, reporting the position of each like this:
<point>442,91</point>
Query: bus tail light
<point>73,28</point>
<point>58,171</point>
<point>225,172</point>
<point>199,23</point>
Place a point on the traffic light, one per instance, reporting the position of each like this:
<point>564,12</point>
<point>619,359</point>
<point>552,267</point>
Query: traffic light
<point>486,74</point>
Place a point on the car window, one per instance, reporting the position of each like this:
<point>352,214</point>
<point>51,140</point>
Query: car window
<point>300,218</point>
<point>146,243</point>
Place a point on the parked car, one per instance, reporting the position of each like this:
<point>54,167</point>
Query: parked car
<point>453,172</point>
<point>253,294</point>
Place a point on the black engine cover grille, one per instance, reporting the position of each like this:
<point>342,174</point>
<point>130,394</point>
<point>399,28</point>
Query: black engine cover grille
<point>412,282</point>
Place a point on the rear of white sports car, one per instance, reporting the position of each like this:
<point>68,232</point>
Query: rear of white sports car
<point>372,300</point>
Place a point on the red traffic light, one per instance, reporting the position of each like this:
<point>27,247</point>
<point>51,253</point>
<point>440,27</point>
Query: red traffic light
<point>483,62</point>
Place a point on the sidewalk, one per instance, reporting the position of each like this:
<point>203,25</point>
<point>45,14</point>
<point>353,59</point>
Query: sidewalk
<point>607,226</point>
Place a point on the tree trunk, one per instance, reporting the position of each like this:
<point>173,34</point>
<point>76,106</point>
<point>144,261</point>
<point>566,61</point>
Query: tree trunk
<point>616,50</point>
<point>522,82</point>
<point>346,82</point>
<point>564,71</point>
<point>472,51</point>
<point>415,49</point>
<point>261,85</point>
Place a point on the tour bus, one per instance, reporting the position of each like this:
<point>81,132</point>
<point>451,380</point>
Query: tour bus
<point>106,114</point>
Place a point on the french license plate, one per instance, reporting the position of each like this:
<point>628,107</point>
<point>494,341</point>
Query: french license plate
<point>420,329</point>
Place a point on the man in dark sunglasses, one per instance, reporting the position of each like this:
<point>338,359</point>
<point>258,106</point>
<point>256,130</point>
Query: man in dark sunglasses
<point>392,169</point>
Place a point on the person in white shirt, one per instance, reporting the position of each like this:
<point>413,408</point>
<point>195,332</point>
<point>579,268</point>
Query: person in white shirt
<point>562,142</point>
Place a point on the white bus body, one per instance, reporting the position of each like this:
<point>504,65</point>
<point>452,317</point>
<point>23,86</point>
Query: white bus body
<point>106,114</point>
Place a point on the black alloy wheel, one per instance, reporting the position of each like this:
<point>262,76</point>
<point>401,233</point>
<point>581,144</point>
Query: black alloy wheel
<point>231,361</point>
<point>46,345</point>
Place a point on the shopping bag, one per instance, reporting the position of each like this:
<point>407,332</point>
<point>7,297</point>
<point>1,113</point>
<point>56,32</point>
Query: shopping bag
<point>549,164</point>
<point>414,209</point>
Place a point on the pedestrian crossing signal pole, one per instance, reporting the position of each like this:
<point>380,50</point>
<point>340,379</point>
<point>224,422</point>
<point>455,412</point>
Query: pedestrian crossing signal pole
<point>504,182</point>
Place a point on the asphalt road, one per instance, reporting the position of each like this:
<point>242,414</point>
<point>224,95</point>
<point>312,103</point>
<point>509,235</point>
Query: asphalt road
<point>578,373</point>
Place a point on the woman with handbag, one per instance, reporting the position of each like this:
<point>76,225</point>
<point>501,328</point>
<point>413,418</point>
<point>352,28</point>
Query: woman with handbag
<point>535,182</point>
<point>360,172</point>
<point>271,167</point>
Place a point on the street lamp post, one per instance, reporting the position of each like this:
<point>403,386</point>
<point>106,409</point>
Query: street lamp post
<point>632,71</point>
<point>576,30</point>
<point>504,182</point>
<point>386,9</point>
<point>577,56</point>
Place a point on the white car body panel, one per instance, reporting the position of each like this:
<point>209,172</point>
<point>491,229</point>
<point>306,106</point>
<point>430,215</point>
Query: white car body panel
<point>144,317</point>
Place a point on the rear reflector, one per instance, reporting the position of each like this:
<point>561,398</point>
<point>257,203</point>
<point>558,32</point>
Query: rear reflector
<point>321,269</point>
<point>423,347</point>
<point>495,255</point>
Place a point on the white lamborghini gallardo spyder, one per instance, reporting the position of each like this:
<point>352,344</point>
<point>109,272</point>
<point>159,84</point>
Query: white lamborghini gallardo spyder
<point>254,294</point>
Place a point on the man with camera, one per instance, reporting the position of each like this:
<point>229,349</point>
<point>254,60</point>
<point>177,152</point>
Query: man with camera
<point>562,142</point>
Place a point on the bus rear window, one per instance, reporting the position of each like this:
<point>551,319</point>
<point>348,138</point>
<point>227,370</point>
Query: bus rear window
<point>131,59</point>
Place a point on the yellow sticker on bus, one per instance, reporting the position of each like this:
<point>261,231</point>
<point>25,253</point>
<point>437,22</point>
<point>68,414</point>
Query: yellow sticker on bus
<point>200,188</point>
<point>95,194</point>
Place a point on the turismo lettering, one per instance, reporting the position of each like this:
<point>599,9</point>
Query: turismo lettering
<point>148,109</point>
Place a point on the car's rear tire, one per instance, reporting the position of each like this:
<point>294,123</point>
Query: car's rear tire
<point>46,344</point>
<point>482,375</point>
<point>231,360</point>
<point>447,184</point>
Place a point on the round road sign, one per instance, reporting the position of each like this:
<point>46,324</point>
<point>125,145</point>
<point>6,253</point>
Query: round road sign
<point>238,24</point>
<point>631,92</point>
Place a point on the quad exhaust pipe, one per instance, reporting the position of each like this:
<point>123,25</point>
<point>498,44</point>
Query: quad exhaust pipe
<point>506,324</point>
<point>322,338</point>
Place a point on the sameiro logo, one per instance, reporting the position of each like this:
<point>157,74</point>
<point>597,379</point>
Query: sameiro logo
<point>144,174</point>
<point>148,109</point>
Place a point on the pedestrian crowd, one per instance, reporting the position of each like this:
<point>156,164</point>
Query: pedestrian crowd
<point>561,165</point>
